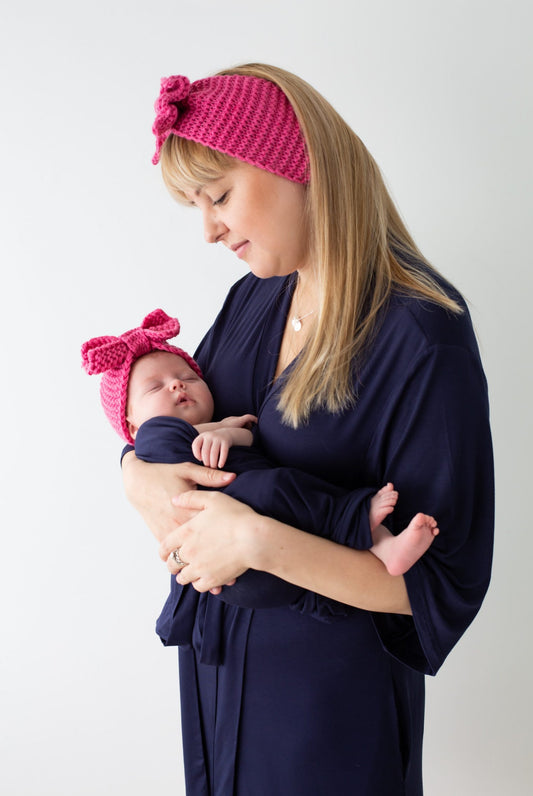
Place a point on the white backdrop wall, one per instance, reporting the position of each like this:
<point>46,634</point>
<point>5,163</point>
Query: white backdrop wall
<point>90,242</point>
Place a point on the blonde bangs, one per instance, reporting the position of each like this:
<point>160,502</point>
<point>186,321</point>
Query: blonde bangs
<point>186,165</point>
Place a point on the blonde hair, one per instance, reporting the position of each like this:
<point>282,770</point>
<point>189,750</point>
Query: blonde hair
<point>358,245</point>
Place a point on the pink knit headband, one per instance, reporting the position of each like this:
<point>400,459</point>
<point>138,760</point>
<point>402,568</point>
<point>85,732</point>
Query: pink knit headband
<point>245,117</point>
<point>114,357</point>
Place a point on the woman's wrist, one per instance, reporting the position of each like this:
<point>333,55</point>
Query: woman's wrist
<point>262,543</point>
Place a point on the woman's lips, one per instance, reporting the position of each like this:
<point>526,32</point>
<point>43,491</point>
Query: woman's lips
<point>240,248</point>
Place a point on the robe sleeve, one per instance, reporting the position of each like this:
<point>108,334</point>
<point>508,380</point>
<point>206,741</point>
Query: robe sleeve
<point>438,454</point>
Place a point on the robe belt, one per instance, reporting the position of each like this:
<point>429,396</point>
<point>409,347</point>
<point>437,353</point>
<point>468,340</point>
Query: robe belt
<point>191,619</point>
<point>208,632</point>
<point>219,638</point>
<point>201,621</point>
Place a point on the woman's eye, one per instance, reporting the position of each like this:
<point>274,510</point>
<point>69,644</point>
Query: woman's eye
<point>221,200</point>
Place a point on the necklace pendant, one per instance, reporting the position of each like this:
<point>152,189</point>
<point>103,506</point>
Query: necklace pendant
<point>296,324</point>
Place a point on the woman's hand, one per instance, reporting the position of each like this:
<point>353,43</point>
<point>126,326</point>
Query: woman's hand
<point>217,544</point>
<point>226,537</point>
<point>151,487</point>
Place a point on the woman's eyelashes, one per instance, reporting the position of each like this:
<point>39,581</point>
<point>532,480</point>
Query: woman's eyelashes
<point>221,199</point>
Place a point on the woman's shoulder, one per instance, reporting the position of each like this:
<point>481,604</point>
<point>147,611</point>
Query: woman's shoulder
<point>428,324</point>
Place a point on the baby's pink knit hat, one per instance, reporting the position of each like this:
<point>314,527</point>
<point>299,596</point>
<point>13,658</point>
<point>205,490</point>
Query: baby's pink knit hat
<point>114,357</point>
<point>245,117</point>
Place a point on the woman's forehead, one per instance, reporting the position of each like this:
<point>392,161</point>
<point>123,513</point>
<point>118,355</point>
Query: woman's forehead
<point>199,190</point>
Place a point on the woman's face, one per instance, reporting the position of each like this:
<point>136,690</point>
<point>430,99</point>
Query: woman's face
<point>258,215</point>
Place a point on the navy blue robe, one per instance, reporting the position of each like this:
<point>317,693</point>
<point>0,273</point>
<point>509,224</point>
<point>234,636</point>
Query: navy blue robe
<point>291,496</point>
<point>273,700</point>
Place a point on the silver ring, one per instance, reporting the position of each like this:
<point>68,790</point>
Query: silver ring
<point>176,556</point>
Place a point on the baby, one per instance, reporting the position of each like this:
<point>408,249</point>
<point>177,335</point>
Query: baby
<point>163,384</point>
<point>155,390</point>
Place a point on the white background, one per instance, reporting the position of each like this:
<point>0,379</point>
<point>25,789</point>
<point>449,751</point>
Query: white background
<point>90,243</point>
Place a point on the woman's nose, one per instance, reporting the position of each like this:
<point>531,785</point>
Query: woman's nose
<point>214,229</point>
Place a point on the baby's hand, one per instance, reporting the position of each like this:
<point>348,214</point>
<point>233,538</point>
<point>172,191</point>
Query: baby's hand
<point>243,421</point>
<point>211,447</point>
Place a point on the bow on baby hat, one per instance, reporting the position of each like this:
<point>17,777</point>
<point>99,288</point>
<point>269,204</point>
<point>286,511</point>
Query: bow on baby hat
<point>101,354</point>
<point>114,357</point>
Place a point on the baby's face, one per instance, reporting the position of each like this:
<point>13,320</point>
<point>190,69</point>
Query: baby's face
<point>162,383</point>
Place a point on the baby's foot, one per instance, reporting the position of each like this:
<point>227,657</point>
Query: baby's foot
<point>381,505</point>
<point>406,548</point>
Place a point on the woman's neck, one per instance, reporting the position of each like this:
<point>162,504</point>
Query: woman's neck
<point>305,296</point>
<point>301,319</point>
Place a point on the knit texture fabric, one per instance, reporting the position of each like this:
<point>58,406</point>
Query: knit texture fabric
<point>114,358</point>
<point>245,117</point>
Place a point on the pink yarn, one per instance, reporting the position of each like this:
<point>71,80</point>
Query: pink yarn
<point>114,357</point>
<point>245,117</point>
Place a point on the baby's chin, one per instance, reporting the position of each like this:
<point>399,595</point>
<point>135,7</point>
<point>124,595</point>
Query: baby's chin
<point>189,412</point>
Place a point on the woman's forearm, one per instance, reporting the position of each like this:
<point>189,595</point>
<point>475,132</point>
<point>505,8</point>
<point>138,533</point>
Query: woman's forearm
<point>354,577</point>
<point>226,537</point>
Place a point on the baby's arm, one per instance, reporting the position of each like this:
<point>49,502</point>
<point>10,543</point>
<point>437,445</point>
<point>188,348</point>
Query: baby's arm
<point>214,440</point>
<point>241,421</point>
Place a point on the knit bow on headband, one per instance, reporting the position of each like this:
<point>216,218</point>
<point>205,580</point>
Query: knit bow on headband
<point>114,357</point>
<point>245,117</point>
<point>174,91</point>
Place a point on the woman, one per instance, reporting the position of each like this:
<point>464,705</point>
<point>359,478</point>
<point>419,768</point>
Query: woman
<point>361,364</point>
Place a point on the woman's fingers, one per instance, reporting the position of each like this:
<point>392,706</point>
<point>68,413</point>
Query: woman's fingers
<point>218,589</point>
<point>214,543</point>
<point>175,563</point>
<point>205,476</point>
<point>202,583</point>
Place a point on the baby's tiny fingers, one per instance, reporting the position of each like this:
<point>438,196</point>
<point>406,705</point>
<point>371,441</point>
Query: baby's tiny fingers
<point>223,454</point>
<point>197,448</point>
